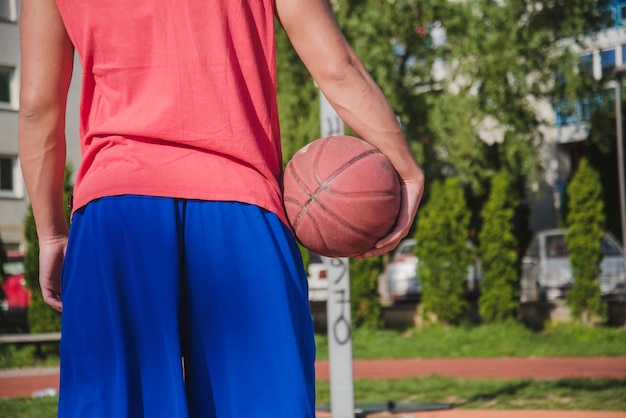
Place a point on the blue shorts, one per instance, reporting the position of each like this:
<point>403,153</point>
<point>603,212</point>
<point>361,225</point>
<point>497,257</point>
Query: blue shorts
<point>148,281</point>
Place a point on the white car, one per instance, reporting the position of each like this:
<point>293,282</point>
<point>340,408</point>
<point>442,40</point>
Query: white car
<point>318,279</point>
<point>402,275</point>
<point>547,272</point>
<point>403,283</point>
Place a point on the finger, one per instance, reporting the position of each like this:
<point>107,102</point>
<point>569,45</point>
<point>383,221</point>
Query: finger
<point>53,300</point>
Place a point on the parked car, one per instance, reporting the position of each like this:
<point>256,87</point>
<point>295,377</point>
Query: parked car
<point>402,275</point>
<point>317,277</point>
<point>547,272</point>
<point>403,283</point>
<point>16,295</point>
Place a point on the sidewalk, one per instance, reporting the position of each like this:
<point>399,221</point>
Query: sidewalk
<point>24,382</point>
<point>480,368</point>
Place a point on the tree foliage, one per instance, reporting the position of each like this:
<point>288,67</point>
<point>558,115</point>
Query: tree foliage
<point>442,236</point>
<point>585,222</point>
<point>498,251</point>
<point>365,301</point>
<point>41,317</point>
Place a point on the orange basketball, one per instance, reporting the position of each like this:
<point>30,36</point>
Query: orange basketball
<point>341,196</point>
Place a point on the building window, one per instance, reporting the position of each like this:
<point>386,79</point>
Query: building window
<point>8,11</point>
<point>9,177</point>
<point>613,12</point>
<point>607,59</point>
<point>7,77</point>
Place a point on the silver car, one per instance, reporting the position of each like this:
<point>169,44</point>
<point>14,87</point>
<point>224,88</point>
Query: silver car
<point>547,273</point>
<point>402,277</point>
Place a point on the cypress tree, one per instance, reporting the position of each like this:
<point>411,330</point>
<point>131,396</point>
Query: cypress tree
<point>585,222</point>
<point>442,236</point>
<point>498,250</point>
<point>364,298</point>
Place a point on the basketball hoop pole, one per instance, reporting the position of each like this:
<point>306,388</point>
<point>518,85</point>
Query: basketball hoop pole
<point>339,325</point>
<point>338,315</point>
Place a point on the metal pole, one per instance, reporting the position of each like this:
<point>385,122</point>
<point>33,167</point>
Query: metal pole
<point>338,304</point>
<point>619,71</point>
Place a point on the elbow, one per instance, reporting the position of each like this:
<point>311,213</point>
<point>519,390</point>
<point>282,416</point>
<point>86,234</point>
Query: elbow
<point>34,108</point>
<point>341,70</point>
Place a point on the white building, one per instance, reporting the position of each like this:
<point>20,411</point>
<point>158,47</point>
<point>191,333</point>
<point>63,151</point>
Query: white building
<point>13,196</point>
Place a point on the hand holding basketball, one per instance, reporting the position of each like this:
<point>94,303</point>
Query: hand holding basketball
<point>341,196</point>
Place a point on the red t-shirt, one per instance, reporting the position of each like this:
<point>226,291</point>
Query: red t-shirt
<point>178,100</point>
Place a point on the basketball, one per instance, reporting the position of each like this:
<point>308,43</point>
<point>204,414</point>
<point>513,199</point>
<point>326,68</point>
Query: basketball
<point>341,196</point>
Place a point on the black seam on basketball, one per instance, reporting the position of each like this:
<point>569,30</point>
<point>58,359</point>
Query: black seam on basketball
<point>323,186</point>
<point>303,206</point>
<point>345,166</point>
<point>338,219</point>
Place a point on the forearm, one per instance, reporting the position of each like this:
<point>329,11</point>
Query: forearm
<point>47,63</point>
<point>363,107</point>
<point>42,158</point>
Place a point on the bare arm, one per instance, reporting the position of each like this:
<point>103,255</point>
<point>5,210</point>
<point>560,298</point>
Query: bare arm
<point>47,60</point>
<point>356,97</point>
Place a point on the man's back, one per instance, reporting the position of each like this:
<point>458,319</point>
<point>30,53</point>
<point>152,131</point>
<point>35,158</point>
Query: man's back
<point>189,85</point>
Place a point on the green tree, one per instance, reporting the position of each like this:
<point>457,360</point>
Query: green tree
<point>585,222</point>
<point>41,317</point>
<point>364,297</point>
<point>442,236</point>
<point>498,251</point>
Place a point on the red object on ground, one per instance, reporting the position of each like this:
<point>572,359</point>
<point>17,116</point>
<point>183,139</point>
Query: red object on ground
<point>17,296</point>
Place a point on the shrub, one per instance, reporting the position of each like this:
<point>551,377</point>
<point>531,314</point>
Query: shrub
<point>442,236</point>
<point>365,300</point>
<point>498,250</point>
<point>585,222</point>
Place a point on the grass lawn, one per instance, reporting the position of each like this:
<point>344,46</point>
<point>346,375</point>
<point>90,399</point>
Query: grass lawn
<point>572,394</point>
<point>568,394</point>
<point>498,340</point>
